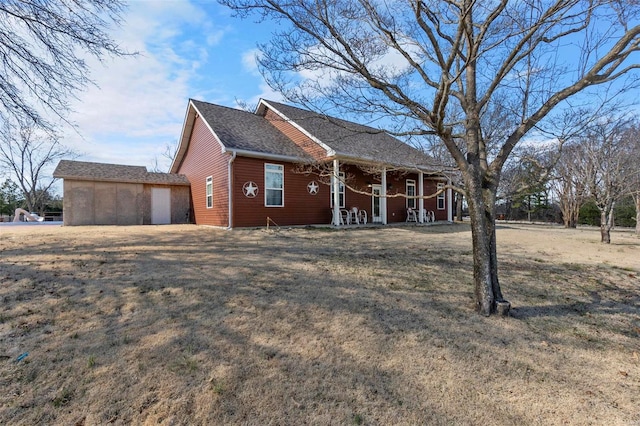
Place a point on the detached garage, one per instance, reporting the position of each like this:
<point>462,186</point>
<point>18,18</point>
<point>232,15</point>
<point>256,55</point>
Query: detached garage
<point>112,194</point>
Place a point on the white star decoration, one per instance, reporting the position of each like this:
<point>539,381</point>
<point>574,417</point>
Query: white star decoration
<point>313,188</point>
<point>250,189</point>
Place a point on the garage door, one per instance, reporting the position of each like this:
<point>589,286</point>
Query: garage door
<point>160,206</point>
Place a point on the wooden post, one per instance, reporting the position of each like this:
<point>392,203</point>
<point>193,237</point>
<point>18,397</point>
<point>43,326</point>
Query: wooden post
<point>502,308</point>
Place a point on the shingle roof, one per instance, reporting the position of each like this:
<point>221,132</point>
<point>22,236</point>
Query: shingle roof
<point>355,140</point>
<point>244,130</point>
<point>103,172</point>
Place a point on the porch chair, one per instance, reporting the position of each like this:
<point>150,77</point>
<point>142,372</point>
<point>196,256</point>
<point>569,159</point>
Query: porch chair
<point>353,217</point>
<point>428,216</point>
<point>342,215</point>
<point>345,217</point>
<point>411,215</point>
<point>362,217</point>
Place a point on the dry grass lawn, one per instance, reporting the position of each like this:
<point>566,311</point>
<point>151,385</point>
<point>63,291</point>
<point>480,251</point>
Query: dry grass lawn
<point>180,325</point>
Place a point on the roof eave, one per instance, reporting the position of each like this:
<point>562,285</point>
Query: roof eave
<point>372,161</point>
<point>268,156</point>
<point>185,134</point>
<point>119,180</point>
<point>185,137</point>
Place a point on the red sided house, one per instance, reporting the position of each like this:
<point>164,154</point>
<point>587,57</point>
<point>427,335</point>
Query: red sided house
<point>278,165</point>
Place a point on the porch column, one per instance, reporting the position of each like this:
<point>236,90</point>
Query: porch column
<point>383,196</point>
<point>449,202</point>
<point>336,192</point>
<point>421,194</point>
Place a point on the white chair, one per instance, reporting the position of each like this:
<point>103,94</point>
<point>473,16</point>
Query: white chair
<point>428,216</point>
<point>411,215</point>
<point>353,216</point>
<point>362,217</point>
<point>345,217</point>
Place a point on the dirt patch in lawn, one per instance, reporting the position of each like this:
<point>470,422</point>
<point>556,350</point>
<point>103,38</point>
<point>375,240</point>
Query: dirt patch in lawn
<point>194,325</point>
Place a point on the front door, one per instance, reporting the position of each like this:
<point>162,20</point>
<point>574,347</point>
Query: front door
<point>376,214</point>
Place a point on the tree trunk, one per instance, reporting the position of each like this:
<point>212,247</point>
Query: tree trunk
<point>459,207</point>
<point>606,223</point>
<point>568,219</point>
<point>569,222</point>
<point>605,235</point>
<point>29,201</point>
<point>575,216</point>
<point>637,197</point>
<point>485,261</point>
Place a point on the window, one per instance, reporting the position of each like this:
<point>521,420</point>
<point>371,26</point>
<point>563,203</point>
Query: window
<point>273,185</point>
<point>411,192</point>
<point>441,199</point>
<point>340,189</point>
<point>209,192</point>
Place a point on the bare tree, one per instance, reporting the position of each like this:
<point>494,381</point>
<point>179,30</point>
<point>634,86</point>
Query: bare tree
<point>636,200</point>
<point>524,184</point>
<point>161,163</point>
<point>608,168</point>
<point>437,67</point>
<point>43,47</point>
<point>634,136</point>
<point>27,153</point>
<point>569,186</point>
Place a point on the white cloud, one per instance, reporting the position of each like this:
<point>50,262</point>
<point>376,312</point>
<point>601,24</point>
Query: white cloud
<point>139,102</point>
<point>391,64</point>
<point>186,50</point>
<point>249,61</point>
<point>215,36</point>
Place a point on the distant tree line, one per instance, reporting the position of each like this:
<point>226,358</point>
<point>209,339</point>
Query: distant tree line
<point>594,179</point>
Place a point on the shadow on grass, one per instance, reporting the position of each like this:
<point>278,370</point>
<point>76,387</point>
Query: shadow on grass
<point>252,327</point>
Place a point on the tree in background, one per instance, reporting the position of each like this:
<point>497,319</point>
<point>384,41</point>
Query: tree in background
<point>569,186</point>
<point>636,200</point>
<point>524,185</point>
<point>439,67</point>
<point>162,163</point>
<point>43,47</point>
<point>27,153</point>
<point>608,167</point>
<point>635,177</point>
<point>10,197</point>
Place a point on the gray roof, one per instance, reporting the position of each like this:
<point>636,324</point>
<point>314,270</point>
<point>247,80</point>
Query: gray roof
<point>355,140</point>
<point>102,172</point>
<point>238,129</point>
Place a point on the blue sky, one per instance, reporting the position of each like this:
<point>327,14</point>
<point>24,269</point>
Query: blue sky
<point>188,49</point>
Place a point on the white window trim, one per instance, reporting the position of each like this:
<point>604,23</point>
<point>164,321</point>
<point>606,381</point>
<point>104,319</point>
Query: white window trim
<point>441,198</point>
<point>410,183</point>
<point>341,190</point>
<point>208,197</point>
<point>267,189</point>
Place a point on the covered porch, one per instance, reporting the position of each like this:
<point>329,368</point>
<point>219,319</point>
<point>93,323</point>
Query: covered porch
<point>381,194</point>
